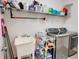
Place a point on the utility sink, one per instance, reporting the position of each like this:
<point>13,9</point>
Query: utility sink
<point>56,31</point>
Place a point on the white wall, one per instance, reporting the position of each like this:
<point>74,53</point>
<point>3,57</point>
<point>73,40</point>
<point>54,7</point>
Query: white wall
<point>72,22</point>
<point>30,26</point>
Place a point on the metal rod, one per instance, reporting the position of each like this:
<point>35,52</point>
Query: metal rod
<point>27,18</point>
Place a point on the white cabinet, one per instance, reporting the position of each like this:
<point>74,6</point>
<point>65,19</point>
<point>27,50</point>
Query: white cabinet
<point>24,46</point>
<point>62,44</point>
<point>62,41</point>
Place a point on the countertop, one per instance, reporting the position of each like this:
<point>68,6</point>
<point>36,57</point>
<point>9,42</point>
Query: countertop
<point>24,40</point>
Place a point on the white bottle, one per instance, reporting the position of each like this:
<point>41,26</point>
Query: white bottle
<point>45,9</point>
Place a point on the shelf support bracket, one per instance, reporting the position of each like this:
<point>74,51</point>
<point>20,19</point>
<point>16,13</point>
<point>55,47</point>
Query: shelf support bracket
<point>11,15</point>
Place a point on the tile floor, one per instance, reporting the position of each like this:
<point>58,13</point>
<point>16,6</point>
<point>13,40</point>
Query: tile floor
<point>75,56</point>
<point>72,57</point>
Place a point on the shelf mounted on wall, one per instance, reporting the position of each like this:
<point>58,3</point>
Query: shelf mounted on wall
<point>12,7</point>
<point>11,15</point>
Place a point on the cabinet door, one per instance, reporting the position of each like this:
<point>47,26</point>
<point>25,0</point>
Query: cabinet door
<point>62,41</point>
<point>62,47</point>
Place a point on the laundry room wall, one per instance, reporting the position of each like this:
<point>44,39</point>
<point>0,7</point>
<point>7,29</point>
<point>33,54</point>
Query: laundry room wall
<point>71,23</point>
<point>32,26</point>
